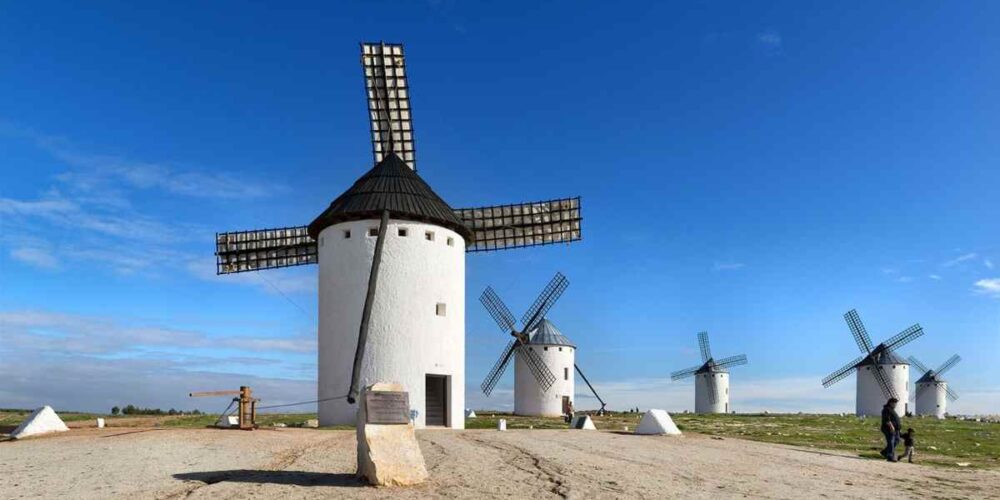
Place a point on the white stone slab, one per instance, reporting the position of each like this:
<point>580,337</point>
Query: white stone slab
<point>42,421</point>
<point>228,421</point>
<point>470,414</point>
<point>657,422</point>
<point>388,454</point>
<point>582,422</point>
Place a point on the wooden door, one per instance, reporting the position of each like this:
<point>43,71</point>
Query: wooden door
<point>436,400</point>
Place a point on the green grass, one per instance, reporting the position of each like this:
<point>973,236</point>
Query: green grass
<point>957,441</point>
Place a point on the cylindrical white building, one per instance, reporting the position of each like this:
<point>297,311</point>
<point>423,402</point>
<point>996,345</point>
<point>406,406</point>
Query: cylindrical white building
<point>558,353</point>
<point>703,381</point>
<point>870,398</point>
<point>932,397</point>
<point>416,335</point>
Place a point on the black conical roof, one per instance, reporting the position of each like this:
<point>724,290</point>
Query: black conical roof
<point>390,185</point>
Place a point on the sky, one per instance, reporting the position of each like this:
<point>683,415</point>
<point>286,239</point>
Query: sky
<point>750,169</point>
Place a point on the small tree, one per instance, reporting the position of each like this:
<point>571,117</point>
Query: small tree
<point>115,410</point>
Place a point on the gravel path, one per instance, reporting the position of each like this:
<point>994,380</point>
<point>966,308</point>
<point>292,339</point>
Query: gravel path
<point>300,463</point>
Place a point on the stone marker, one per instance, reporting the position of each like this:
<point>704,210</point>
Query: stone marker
<point>388,453</point>
<point>312,423</point>
<point>227,421</point>
<point>100,423</point>
<point>582,422</point>
<point>502,424</point>
<point>41,421</point>
<point>657,422</point>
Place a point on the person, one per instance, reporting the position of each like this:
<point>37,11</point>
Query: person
<point>890,429</point>
<point>908,443</point>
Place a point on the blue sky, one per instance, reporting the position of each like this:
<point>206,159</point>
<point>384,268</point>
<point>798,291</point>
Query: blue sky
<point>754,169</point>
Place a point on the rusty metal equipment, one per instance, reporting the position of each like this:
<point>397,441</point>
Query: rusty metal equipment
<point>247,405</point>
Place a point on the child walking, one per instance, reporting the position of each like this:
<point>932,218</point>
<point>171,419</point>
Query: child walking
<point>908,443</point>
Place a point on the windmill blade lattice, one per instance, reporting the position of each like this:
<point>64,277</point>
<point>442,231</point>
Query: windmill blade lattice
<point>497,309</point>
<point>687,372</point>
<point>947,365</point>
<point>842,372</point>
<point>538,368</point>
<point>920,366</point>
<point>491,380</point>
<point>704,346</point>
<point>859,332</point>
<point>952,395</point>
<point>904,337</point>
<point>740,359</point>
<point>544,302</point>
<point>887,389</point>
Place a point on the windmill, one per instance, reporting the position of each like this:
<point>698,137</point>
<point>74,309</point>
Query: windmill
<point>932,391</point>
<point>881,373</point>
<point>391,256</point>
<point>711,383</point>
<point>539,349</point>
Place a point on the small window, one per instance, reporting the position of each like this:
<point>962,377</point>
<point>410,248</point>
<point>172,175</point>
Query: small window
<point>429,235</point>
<point>402,232</point>
<point>373,231</point>
<point>451,241</point>
<point>531,348</point>
<point>560,349</point>
<point>441,309</point>
<point>347,234</point>
<point>565,373</point>
<point>545,348</point>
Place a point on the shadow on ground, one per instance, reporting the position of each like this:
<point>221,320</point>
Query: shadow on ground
<point>298,478</point>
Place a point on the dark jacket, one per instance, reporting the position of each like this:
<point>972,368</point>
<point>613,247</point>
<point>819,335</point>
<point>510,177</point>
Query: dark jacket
<point>889,415</point>
<point>907,439</point>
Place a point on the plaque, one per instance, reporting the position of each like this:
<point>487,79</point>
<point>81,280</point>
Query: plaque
<point>387,407</point>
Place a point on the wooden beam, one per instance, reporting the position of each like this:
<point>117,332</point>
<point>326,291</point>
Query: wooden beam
<point>213,393</point>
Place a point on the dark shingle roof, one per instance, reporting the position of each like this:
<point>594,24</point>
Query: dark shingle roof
<point>548,334</point>
<point>390,185</point>
<point>885,357</point>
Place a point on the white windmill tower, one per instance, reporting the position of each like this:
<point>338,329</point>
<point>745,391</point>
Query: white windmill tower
<point>544,384</point>
<point>391,257</point>
<point>932,391</point>
<point>711,379</point>
<point>881,373</point>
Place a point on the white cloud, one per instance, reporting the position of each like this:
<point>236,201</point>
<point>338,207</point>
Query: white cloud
<point>934,277</point>
<point>727,266</point>
<point>988,263</point>
<point>33,256</point>
<point>770,39</point>
<point>989,286</point>
<point>960,259</point>
<point>905,279</point>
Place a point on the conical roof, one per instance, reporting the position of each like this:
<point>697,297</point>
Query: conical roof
<point>390,185</point>
<point>547,333</point>
<point>929,377</point>
<point>884,356</point>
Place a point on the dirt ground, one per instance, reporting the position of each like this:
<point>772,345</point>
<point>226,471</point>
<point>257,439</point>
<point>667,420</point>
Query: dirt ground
<point>303,463</point>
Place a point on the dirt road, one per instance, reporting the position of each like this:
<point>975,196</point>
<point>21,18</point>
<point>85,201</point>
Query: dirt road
<point>300,463</point>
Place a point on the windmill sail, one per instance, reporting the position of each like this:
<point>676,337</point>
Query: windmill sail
<point>242,251</point>
<point>388,94</point>
<point>504,227</point>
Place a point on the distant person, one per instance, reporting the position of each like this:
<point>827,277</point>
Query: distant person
<point>890,429</point>
<point>908,443</point>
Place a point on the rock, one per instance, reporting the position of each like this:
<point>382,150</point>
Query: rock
<point>279,425</point>
<point>582,422</point>
<point>932,448</point>
<point>42,421</point>
<point>962,464</point>
<point>718,438</point>
<point>388,454</point>
<point>100,423</point>
<point>227,421</point>
<point>656,422</point>
<point>312,423</point>
<point>469,413</point>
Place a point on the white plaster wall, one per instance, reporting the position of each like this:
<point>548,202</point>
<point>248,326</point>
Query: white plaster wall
<point>529,398</point>
<point>870,398</point>
<point>932,399</point>
<point>702,393</point>
<point>407,339</point>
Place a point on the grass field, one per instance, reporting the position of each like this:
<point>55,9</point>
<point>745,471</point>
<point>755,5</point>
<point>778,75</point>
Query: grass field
<point>939,442</point>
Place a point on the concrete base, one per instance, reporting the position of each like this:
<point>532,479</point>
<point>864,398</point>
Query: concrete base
<point>657,422</point>
<point>388,455</point>
<point>43,421</point>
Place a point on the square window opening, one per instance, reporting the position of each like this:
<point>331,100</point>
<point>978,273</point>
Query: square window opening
<point>441,309</point>
<point>373,231</point>
<point>451,241</point>
<point>347,234</point>
<point>429,235</point>
<point>402,232</point>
